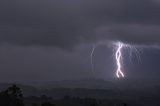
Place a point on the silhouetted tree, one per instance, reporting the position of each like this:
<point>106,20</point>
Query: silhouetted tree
<point>34,104</point>
<point>94,104</point>
<point>67,97</point>
<point>47,104</point>
<point>90,102</point>
<point>125,104</point>
<point>44,97</point>
<point>4,99</point>
<point>11,97</point>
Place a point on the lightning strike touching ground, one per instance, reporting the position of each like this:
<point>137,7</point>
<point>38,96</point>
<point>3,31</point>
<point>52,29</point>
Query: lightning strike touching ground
<point>118,56</point>
<point>131,49</point>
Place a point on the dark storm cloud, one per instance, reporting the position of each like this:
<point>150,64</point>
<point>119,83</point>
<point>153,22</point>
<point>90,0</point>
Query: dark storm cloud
<point>18,64</point>
<point>66,23</point>
<point>34,33</point>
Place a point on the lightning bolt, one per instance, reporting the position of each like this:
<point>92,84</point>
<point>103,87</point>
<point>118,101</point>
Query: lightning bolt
<point>118,56</point>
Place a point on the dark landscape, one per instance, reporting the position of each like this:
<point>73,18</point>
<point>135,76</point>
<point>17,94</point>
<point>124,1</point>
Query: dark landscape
<point>90,92</point>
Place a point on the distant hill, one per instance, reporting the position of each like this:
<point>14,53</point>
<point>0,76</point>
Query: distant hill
<point>121,84</point>
<point>95,88</point>
<point>90,84</point>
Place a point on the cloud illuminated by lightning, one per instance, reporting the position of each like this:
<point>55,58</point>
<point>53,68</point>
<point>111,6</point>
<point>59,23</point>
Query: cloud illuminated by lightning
<point>118,47</point>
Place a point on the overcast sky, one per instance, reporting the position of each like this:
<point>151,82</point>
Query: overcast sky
<point>43,40</point>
